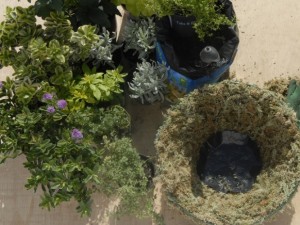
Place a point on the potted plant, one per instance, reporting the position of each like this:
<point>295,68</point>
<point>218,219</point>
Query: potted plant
<point>207,15</point>
<point>139,37</point>
<point>60,112</point>
<point>197,39</point>
<point>139,43</point>
<point>148,83</point>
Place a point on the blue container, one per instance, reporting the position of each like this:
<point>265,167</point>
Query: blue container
<point>185,84</point>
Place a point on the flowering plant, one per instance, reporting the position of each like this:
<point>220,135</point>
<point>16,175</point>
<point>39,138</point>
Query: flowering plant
<point>62,115</point>
<point>71,154</point>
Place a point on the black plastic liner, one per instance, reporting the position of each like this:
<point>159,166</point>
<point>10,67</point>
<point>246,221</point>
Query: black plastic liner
<point>182,46</point>
<point>229,166</point>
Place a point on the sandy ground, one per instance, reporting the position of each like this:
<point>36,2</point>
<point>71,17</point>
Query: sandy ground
<point>269,47</point>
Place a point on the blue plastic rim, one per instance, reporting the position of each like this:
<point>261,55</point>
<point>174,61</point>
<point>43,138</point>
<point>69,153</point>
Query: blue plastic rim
<point>185,84</point>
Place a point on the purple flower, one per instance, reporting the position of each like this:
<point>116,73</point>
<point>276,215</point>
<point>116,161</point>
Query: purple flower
<point>50,109</point>
<point>76,134</point>
<point>47,96</point>
<point>1,84</point>
<point>61,104</point>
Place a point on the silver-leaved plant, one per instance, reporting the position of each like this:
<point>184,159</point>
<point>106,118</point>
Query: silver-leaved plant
<point>149,82</point>
<point>140,36</point>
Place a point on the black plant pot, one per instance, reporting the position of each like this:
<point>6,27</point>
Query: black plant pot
<point>149,169</point>
<point>129,63</point>
<point>117,56</point>
<point>182,25</point>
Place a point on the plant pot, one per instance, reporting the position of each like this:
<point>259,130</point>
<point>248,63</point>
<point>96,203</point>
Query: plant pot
<point>149,169</point>
<point>129,63</point>
<point>179,46</point>
<point>229,105</point>
<point>182,26</point>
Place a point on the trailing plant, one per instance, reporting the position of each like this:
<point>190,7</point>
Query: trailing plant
<point>207,13</point>
<point>139,36</point>
<point>70,154</point>
<point>148,82</point>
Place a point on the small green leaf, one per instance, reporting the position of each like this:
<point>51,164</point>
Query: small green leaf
<point>60,59</point>
<point>85,68</point>
<point>97,94</point>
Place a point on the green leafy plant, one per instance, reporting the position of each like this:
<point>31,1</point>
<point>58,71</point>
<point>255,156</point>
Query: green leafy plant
<point>19,27</point>
<point>53,57</point>
<point>207,13</point>
<point>70,154</point>
<point>94,87</point>
<point>59,112</point>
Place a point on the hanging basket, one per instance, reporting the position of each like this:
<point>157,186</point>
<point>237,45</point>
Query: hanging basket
<point>230,105</point>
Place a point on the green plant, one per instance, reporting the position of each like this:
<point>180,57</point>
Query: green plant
<point>94,87</point>
<point>70,154</point>
<point>55,55</point>
<point>208,13</point>
<point>136,7</point>
<point>52,111</point>
<point>148,82</point>
<point>80,12</point>
<point>19,27</point>
<point>139,36</point>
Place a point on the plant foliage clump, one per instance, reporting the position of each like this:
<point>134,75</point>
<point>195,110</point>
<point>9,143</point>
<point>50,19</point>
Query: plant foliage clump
<point>148,84</point>
<point>230,105</point>
<point>59,56</point>
<point>61,110</point>
<point>140,37</point>
<point>71,154</point>
<point>208,14</point>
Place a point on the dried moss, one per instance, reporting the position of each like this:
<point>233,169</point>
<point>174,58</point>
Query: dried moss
<point>230,105</point>
<point>280,85</point>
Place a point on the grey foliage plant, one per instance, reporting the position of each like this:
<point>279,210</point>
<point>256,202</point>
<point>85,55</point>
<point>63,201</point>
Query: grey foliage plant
<point>140,36</point>
<point>101,51</point>
<point>148,82</point>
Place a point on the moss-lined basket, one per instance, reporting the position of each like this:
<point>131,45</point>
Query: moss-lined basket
<point>230,105</point>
